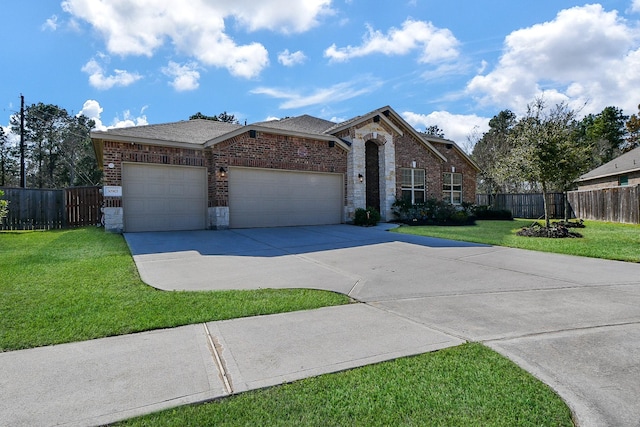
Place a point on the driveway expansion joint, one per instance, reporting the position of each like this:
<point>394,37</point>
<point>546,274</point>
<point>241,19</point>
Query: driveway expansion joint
<point>219,362</point>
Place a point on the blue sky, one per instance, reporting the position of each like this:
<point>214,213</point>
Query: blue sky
<point>453,64</point>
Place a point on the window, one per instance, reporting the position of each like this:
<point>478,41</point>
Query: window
<point>623,180</point>
<point>452,188</point>
<point>413,186</point>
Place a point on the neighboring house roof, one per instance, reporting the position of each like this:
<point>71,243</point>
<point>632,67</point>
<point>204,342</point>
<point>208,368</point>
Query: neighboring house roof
<point>628,162</point>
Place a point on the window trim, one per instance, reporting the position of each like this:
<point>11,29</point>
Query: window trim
<point>412,188</point>
<point>448,194</point>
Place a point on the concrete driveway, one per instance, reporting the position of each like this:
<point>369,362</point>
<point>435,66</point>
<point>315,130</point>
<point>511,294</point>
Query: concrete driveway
<point>573,322</point>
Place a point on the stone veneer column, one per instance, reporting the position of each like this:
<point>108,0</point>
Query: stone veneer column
<point>356,197</point>
<point>218,218</point>
<point>113,220</point>
<point>387,178</point>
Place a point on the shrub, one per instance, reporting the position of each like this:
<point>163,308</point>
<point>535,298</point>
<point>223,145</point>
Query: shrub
<point>486,213</point>
<point>366,217</point>
<point>4,207</point>
<point>432,212</point>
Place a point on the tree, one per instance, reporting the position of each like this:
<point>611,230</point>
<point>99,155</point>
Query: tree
<point>9,173</point>
<point>59,151</point>
<point>434,130</point>
<point>80,166</point>
<point>43,124</point>
<point>546,149</point>
<point>606,133</point>
<point>490,149</point>
<point>633,131</point>
<point>222,117</point>
<point>4,206</point>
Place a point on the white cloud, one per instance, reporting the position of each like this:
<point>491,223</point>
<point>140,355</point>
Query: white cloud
<point>99,80</point>
<point>128,120</point>
<point>336,93</point>
<point>434,44</point>
<point>196,28</point>
<point>456,127</point>
<point>290,59</point>
<point>285,16</point>
<point>185,77</point>
<point>92,109</point>
<point>585,55</point>
<point>50,24</point>
<point>635,6</point>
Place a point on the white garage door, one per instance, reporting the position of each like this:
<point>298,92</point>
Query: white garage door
<point>163,198</point>
<point>276,198</point>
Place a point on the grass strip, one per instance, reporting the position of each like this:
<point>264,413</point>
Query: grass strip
<point>72,285</point>
<point>601,239</point>
<point>469,385</point>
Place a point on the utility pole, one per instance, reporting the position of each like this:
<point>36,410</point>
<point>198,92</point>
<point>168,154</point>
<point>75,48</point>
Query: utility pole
<point>23,172</point>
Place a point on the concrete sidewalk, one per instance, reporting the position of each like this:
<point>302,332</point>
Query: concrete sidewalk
<point>111,379</point>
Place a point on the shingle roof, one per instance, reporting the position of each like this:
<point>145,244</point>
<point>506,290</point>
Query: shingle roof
<point>628,162</point>
<point>303,124</point>
<point>190,131</point>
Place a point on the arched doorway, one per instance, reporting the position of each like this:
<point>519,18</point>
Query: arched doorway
<point>372,166</point>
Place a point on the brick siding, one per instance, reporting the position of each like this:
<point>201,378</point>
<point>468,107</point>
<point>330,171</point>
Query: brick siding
<point>270,151</point>
<point>462,166</point>
<point>119,152</point>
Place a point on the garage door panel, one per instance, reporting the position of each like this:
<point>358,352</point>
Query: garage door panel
<point>272,198</point>
<point>163,197</point>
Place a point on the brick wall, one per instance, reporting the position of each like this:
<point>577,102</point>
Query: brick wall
<point>118,152</point>
<point>270,151</point>
<point>408,150</point>
<point>462,166</point>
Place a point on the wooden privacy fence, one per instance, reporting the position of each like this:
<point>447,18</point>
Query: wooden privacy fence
<point>33,209</point>
<point>525,205</point>
<point>616,204</point>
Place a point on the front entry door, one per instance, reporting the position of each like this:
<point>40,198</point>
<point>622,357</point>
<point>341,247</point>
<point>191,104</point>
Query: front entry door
<point>372,166</point>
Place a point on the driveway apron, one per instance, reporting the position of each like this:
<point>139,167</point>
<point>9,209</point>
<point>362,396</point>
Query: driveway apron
<point>573,322</point>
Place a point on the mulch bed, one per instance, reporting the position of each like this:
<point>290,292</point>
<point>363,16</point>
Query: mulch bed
<point>557,230</point>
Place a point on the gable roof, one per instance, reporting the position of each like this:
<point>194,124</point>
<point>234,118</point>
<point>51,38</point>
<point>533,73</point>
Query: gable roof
<point>196,132</point>
<point>449,144</point>
<point>628,162</point>
<point>384,113</point>
<point>304,124</point>
<point>201,133</point>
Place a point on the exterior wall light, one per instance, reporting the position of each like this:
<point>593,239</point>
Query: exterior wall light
<point>223,172</point>
<point>360,177</point>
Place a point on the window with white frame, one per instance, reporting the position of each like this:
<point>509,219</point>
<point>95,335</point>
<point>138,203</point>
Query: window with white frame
<point>452,188</point>
<point>413,185</point>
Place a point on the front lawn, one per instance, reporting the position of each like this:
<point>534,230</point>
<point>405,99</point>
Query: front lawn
<point>73,285</point>
<point>601,239</point>
<point>468,385</point>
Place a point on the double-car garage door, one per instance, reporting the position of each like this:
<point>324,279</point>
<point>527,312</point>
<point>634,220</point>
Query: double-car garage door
<point>168,197</point>
<point>276,198</point>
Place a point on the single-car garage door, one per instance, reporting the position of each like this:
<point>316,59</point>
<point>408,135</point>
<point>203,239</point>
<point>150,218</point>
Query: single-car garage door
<point>163,197</point>
<point>277,198</point>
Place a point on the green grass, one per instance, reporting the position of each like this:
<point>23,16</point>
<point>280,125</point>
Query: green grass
<point>72,285</point>
<point>468,385</point>
<point>601,239</point>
